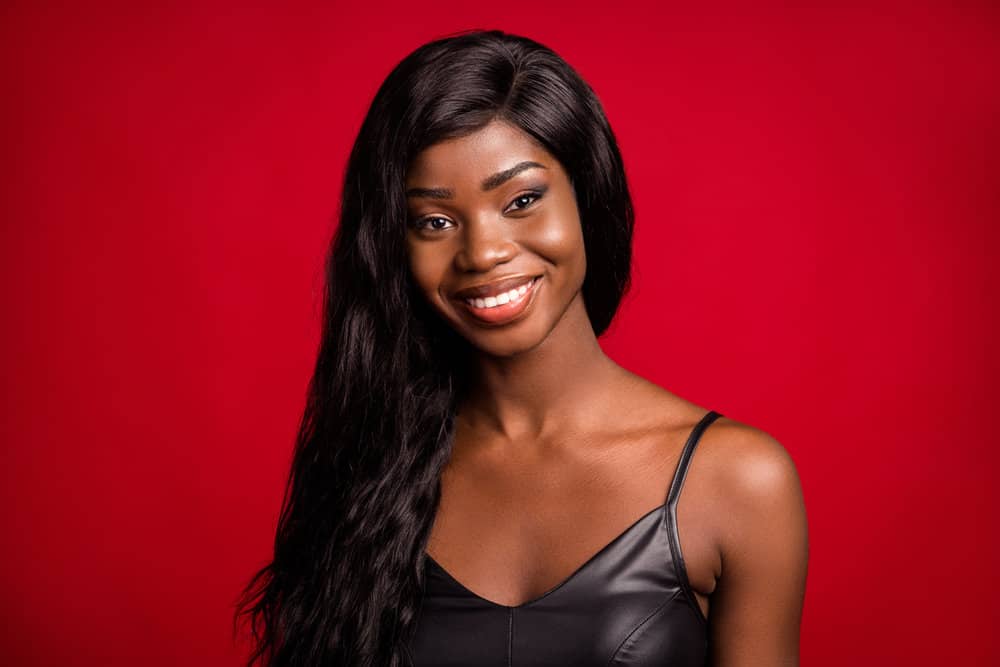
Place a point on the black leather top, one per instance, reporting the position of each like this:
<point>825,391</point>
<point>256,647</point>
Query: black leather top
<point>629,604</point>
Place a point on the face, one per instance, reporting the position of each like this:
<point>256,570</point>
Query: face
<point>494,238</point>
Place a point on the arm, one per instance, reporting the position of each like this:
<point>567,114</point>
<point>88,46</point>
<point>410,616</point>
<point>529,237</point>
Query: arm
<point>763,542</point>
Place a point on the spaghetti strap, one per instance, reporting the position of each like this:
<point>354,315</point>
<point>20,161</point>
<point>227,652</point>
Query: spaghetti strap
<point>673,536</point>
<point>681,473</point>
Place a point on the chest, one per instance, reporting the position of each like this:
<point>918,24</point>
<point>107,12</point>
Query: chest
<point>543,566</point>
<point>514,531</point>
<point>626,605</point>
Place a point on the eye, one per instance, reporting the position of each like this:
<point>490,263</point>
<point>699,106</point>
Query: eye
<point>431,223</point>
<point>525,200</point>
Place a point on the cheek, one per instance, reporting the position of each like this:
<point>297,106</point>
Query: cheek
<point>559,237</point>
<point>426,268</point>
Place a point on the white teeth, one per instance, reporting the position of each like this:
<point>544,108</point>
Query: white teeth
<point>500,299</point>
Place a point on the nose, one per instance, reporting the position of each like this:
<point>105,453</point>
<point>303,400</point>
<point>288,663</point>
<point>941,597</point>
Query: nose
<point>485,242</point>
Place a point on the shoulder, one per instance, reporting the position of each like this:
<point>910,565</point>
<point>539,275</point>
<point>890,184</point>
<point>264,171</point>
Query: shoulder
<point>757,494</point>
<point>758,522</point>
<point>742,469</point>
<point>748,463</point>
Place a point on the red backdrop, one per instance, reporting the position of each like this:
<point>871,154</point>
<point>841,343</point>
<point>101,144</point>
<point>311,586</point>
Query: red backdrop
<point>816,205</point>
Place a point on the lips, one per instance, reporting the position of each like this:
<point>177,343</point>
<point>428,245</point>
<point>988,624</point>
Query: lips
<point>493,288</point>
<point>497,312</point>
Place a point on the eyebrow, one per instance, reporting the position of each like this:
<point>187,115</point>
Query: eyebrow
<point>489,183</point>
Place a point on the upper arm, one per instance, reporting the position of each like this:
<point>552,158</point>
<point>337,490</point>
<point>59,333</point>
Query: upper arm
<point>763,542</point>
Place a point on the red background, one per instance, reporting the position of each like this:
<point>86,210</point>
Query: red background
<point>817,207</point>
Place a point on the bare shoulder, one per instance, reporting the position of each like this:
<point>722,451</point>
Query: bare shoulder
<point>754,483</point>
<point>743,469</point>
<point>751,551</point>
<point>750,464</point>
<point>761,532</point>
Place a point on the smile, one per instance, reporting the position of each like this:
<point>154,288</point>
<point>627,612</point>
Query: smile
<point>503,307</point>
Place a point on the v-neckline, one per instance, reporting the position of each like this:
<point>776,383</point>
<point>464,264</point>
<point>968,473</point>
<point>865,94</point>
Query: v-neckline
<point>573,575</point>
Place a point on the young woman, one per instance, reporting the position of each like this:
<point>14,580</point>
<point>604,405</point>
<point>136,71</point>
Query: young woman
<point>475,482</point>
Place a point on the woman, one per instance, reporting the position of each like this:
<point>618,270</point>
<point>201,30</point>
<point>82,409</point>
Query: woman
<point>475,482</point>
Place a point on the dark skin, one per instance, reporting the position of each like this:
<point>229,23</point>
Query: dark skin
<point>557,448</point>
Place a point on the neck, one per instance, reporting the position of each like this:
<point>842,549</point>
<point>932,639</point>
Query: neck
<point>547,390</point>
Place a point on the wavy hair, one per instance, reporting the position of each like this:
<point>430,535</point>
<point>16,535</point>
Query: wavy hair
<point>344,584</point>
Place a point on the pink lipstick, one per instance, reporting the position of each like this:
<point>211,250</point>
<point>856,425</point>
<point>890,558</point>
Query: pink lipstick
<point>502,307</point>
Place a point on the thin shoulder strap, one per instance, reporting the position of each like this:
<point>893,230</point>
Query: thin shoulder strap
<point>673,538</point>
<point>681,473</point>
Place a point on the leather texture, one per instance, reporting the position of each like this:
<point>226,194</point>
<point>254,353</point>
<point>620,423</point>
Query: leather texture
<point>630,604</point>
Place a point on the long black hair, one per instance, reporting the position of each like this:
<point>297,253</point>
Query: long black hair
<point>344,584</point>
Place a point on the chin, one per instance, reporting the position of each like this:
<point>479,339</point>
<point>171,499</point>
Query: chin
<point>505,349</point>
<point>508,341</point>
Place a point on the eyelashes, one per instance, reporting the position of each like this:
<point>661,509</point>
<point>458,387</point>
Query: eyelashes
<point>521,202</point>
<point>531,196</point>
<point>425,223</point>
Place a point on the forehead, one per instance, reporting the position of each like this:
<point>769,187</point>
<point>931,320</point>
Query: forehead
<point>471,158</point>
